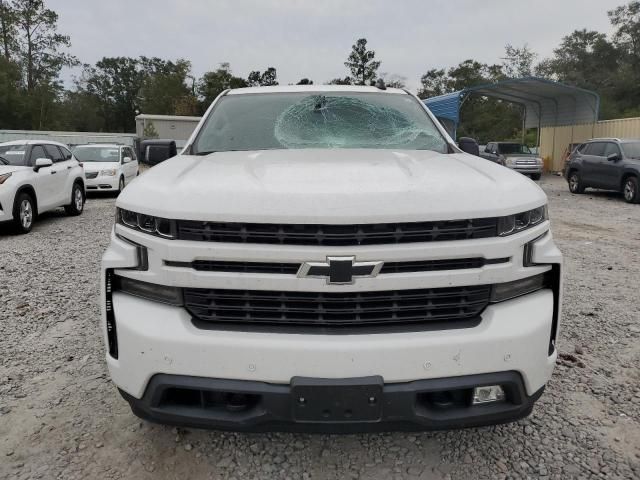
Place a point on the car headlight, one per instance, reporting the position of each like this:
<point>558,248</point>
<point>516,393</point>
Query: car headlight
<point>539,162</point>
<point>161,227</point>
<point>4,177</point>
<point>511,162</point>
<point>109,173</point>
<point>521,221</point>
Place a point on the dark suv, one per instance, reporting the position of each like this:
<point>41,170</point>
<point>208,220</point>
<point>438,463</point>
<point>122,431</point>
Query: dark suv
<point>607,163</point>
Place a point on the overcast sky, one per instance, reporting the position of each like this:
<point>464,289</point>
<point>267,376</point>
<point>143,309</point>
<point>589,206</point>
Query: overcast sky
<point>313,38</point>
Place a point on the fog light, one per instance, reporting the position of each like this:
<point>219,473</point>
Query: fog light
<point>491,393</point>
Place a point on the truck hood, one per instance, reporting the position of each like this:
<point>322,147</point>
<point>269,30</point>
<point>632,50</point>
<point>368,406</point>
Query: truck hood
<point>330,186</point>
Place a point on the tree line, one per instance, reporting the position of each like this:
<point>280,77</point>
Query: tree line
<point>107,96</point>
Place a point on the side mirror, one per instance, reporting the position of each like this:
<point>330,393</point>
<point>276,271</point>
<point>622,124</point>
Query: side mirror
<point>42,163</point>
<point>126,159</point>
<point>153,152</point>
<point>469,145</point>
<point>613,157</point>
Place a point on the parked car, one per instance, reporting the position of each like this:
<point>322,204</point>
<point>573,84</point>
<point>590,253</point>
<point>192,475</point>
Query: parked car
<point>108,167</point>
<point>515,156</point>
<point>606,163</point>
<point>306,264</point>
<point>37,176</point>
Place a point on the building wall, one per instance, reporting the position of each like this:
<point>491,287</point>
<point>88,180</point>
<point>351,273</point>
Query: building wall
<point>554,140</point>
<point>68,138</point>
<point>168,127</point>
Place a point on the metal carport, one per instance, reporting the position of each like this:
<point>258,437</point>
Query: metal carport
<point>546,103</point>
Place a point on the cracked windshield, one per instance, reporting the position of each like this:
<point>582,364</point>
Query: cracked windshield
<point>324,120</point>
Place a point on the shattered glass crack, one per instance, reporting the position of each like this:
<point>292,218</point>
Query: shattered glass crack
<point>320,121</point>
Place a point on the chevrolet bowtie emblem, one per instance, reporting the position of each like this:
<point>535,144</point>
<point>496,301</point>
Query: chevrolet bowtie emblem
<point>339,270</point>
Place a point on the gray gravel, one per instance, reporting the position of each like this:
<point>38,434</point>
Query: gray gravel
<point>60,417</point>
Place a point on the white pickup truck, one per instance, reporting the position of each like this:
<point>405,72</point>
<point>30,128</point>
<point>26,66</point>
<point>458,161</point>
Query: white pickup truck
<point>324,258</point>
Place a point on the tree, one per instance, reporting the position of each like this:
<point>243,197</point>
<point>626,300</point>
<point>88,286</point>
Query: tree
<point>215,82</point>
<point>266,78</point>
<point>518,62</point>
<point>393,80</point>
<point>433,83</point>
<point>12,99</point>
<point>626,19</point>
<point>361,63</point>
<point>305,81</point>
<point>587,59</point>
<point>115,81</point>
<point>79,111</point>
<point>341,81</point>
<point>163,85</point>
<point>7,29</point>
<point>40,46</point>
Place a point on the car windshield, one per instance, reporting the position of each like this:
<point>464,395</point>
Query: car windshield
<point>97,154</point>
<point>509,148</point>
<point>630,149</point>
<point>318,120</point>
<point>13,154</point>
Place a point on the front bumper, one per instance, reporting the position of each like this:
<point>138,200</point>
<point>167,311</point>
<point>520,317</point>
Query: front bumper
<point>330,405</point>
<point>527,170</point>
<point>7,196</point>
<point>155,340</point>
<point>102,182</point>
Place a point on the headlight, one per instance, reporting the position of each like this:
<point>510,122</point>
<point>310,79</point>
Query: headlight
<point>149,291</point>
<point>161,227</point>
<point>539,162</point>
<point>3,178</point>
<point>511,162</point>
<point>109,173</point>
<point>521,221</point>
<point>505,291</point>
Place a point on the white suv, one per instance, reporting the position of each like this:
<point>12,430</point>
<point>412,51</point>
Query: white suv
<point>107,166</point>
<point>36,176</point>
<point>325,258</point>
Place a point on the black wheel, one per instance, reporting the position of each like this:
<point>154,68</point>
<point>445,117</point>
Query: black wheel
<point>24,213</point>
<point>575,184</point>
<point>536,176</point>
<point>77,201</point>
<point>120,185</point>
<point>630,190</point>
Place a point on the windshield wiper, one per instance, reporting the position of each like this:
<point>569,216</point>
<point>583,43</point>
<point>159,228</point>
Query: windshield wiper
<point>205,152</point>
<point>4,160</point>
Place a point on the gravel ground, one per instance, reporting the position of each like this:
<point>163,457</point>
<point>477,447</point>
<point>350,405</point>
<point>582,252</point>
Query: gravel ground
<point>60,417</point>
